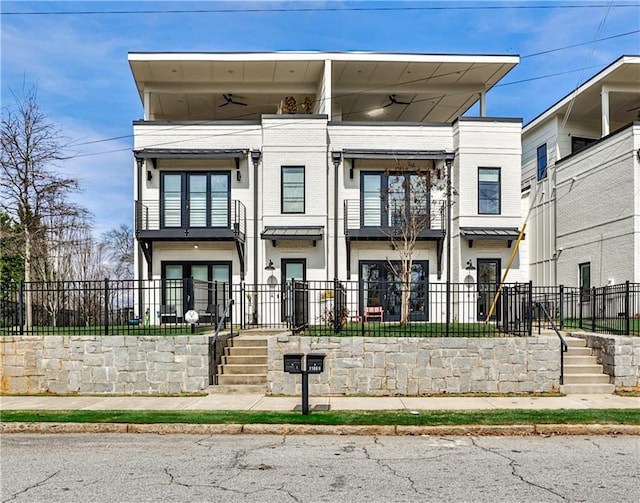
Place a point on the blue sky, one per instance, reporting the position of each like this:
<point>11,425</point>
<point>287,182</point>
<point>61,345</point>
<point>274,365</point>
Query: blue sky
<point>79,61</point>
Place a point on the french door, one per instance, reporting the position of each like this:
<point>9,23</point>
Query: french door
<point>382,286</point>
<point>195,200</point>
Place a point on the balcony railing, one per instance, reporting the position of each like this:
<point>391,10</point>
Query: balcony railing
<point>231,220</point>
<point>360,218</point>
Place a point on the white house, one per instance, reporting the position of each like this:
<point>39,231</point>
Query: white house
<point>581,182</point>
<point>265,167</point>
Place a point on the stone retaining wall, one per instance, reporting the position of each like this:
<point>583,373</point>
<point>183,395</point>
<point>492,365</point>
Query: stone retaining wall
<point>413,366</point>
<point>619,356</point>
<point>104,364</point>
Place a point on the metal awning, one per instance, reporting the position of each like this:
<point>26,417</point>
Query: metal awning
<point>291,233</point>
<point>415,155</point>
<point>189,153</point>
<point>507,234</point>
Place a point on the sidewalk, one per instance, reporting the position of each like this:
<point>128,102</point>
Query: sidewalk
<point>268,403</point>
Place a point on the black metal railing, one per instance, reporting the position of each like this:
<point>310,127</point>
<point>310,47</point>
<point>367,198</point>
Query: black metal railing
<point>357,217</point>
<point>376,308</point>
<point>215,346</point>
<point>563,344</point>
<point>148,217</point>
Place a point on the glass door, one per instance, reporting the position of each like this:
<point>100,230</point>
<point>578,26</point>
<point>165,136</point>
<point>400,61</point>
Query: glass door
<point>171,308</point>
<point>488,281</point>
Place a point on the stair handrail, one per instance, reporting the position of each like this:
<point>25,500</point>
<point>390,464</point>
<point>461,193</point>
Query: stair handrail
<point>213,342</point>
<point>563,344</point>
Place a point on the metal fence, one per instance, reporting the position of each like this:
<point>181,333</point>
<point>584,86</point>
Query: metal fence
<point>321,308</point>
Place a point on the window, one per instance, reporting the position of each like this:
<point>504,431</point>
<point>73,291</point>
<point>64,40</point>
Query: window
<point>578,143</point>
<point>393,199</point>
<point>489,191</point>
<point>195,200</point>
<point>542,161</point>
<point>292,189</point>
<point>585,281</point>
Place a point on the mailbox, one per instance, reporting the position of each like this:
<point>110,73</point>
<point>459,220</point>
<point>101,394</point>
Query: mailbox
<point>315,363</point>
<point>293,363</point>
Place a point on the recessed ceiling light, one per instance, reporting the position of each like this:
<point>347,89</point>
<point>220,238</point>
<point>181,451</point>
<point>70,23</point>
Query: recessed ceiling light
<point>292,71</point>
<point>173,70</point>
<point>229,71</point>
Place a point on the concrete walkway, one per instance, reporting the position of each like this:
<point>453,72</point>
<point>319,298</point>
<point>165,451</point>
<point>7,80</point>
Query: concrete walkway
<point>269,403</point>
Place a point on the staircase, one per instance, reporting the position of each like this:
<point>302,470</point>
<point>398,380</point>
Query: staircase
<point>582,372</point>
<point>244,366</point>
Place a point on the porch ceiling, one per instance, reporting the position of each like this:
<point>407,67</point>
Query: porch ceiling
<point>439,88</point>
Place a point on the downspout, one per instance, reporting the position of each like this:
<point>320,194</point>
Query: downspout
<point>336,157</point>
<point>448,163</point>
<point>255,158</point>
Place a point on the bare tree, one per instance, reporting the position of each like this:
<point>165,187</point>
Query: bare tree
<point>32,194</point>
<point>117,244</point>
<point>408,204</point>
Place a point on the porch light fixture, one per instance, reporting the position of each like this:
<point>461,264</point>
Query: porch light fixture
<point>270,266</point>
<point>238,175</point>
<point>149,175</point>
<point>470,266</point>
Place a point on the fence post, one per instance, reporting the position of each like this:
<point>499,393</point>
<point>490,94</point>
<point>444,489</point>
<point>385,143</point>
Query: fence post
<point>593,309</point>
<point>106,306</point>
<point>627,310</point>
<point>21,306</point>
<point>242,304</point>
<point>561,311</point>
<point>530,313</point>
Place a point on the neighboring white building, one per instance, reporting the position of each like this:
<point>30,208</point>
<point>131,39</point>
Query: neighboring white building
<point>581,182</point>
<point>232,176</point>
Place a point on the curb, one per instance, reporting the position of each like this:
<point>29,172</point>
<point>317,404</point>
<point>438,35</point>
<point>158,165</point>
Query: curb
<point>307,429</point>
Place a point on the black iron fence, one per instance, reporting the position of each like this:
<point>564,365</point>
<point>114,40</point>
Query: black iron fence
<point>372,308</point>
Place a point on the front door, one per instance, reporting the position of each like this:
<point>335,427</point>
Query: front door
<point>488,281</point>
<point>293,269</point>
<point>382,286</point>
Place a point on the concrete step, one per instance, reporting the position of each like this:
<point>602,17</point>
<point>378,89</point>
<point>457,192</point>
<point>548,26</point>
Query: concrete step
<point>235,379</point>
<point>244,360</point>
<point>580,360</point>
<point>245,351</point>
<point>242,369</point>
<point>586,378</point>
<point>587,389</point>
<point>238,389</point>
<point>575,342</point>
<point>583,369</point>
<point>578,351</point>
<point>243,341</point>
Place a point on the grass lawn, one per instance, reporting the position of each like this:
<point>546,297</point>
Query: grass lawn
<point>415,329</point>
<point>115,330</point>
<point>424,418</point>
<point>606,326</point>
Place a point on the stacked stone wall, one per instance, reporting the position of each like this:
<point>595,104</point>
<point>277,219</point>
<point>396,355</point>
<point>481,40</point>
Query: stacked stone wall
<point>388,366</point>
<point>108,364</point>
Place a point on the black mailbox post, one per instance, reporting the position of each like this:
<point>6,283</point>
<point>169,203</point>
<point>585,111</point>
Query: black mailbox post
<point>314,365</point>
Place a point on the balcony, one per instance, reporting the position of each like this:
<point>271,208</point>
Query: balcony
<point>364,223</point>
<point>222,224</point>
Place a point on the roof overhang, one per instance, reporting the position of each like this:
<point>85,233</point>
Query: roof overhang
<point>438,87</point>
<point>293,233</point>
<point>397,154</point>
<point>200,153</point>
<point>507,234</point>
<point>621,79</point>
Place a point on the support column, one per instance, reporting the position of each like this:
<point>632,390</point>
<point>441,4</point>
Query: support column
<point>483,104</point>
<point>336,157</point>
<point>604,96</point>
<point>147,102</point>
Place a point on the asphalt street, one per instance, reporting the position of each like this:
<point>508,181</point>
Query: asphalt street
<point>270,468</point>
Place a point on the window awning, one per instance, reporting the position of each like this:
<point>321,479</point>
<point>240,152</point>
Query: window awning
<point>188,153</point>
<point>507,234</point>
<point>415,155</point>
<point>291,233</point>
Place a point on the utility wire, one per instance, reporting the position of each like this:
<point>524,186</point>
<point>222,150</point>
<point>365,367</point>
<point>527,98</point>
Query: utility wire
<point>448,7</point>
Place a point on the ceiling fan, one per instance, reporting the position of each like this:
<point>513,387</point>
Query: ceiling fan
<point>230,101</point>
<point>395,101</point>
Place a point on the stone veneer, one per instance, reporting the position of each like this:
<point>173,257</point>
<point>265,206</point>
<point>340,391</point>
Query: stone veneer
<point>416,366</point>
<point>104,364</point>
<point>619,356</point>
